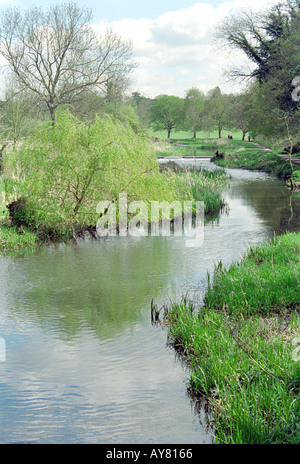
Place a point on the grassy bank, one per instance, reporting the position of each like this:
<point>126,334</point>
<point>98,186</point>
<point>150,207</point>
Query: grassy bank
<point>32,227</point>
<point>232,153</point>
<point>256,160</point>
<point>58,177</point>
<point>208,146</point>
<point>203,186</point>
<point>243,345</point>
<point>13,239</point>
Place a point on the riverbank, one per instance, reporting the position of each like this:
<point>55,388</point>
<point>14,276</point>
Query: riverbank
<point>256,160</point>
<point>55,181</point>
<point>231,153</point>
<point>23,229</point>
<point>243,345</point>
<point>12,239</point>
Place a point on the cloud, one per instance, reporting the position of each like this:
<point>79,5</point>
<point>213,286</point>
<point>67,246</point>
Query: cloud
<point>176,50</point>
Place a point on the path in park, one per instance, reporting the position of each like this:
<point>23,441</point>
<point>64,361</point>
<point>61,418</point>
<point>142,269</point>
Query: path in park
<point>294,159</point>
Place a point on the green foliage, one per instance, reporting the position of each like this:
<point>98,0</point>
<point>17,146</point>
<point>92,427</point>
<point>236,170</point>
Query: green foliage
<point>296,176</point>
<point>217,107</point>
<point>167,113</point>
<point>194,110</point>
<point>265,281</point>
<point>271,42</point>
<point>257,160</point>
<point>65,170</point>
<point>12,239</point>
<point>240,352</point>
<point>202,186</point>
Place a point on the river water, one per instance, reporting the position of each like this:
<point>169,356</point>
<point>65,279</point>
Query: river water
<point>82,362</point>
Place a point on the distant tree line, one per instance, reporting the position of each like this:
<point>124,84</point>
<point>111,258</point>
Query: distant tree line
<point>56,58</point>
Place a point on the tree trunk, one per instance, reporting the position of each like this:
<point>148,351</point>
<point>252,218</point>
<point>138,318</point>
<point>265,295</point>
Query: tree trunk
<point>52,114</point>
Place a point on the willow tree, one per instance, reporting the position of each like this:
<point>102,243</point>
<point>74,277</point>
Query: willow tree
<point>58,55</point>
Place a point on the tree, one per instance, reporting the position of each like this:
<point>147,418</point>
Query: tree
<point>167,113</point>
<point>57,54</point>
<point>142,107</point>
<point>239,113</point>
<point>271,43</point>
<point>194,109</point>
<point>18,112</point>
<point>65,170</point>
<point>217,107</point>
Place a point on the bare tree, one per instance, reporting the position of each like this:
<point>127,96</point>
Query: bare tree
<point>58,55</point>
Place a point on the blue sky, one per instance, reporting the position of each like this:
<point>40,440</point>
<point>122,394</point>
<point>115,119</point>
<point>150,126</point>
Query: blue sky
<point>113,10</point>
<point>173,40</point>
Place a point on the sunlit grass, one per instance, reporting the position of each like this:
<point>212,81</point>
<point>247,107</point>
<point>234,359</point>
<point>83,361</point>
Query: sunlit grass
<point>188,135</point>
<point>255,277</point>
<point>242,345</point>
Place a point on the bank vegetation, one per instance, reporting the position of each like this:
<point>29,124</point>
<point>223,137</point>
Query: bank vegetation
<point>243,345</point>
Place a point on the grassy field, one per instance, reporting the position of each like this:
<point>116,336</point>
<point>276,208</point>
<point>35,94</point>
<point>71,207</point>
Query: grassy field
<point>243,345</point>
<point>182,144</point>
<point>188,135</point>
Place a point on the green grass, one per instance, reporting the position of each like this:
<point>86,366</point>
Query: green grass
<point>296,176</point>
<point>13,239</point>
<point>257,160</point>
<point>243,345</point>
<point>258,271</point>
<point>180,135</point>
<point>203,186</point>
<point>181,145</point>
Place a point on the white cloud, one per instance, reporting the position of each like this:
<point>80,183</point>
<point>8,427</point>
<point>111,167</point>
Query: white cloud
<point>176,51</point>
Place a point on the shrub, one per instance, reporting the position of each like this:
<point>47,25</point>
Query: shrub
<point>64,171</point>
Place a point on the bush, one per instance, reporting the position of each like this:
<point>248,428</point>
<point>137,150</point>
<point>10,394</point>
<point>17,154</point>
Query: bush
<point>64,171</point>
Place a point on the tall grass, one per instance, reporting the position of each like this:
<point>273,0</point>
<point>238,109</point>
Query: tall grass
<point>241,346</point>
<point>203,186</point>
<point>256,275</point>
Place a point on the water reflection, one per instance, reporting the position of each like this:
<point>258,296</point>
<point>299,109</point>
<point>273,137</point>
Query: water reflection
<point>84,364</point>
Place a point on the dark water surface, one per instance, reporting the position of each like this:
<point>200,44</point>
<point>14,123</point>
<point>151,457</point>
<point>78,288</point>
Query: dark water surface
<point>83,363</point>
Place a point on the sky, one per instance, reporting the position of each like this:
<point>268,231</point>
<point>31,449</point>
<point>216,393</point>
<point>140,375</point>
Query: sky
<point>173,40</point>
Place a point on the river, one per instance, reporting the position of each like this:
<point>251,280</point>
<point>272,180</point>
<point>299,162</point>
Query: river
<point>82,363</point>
